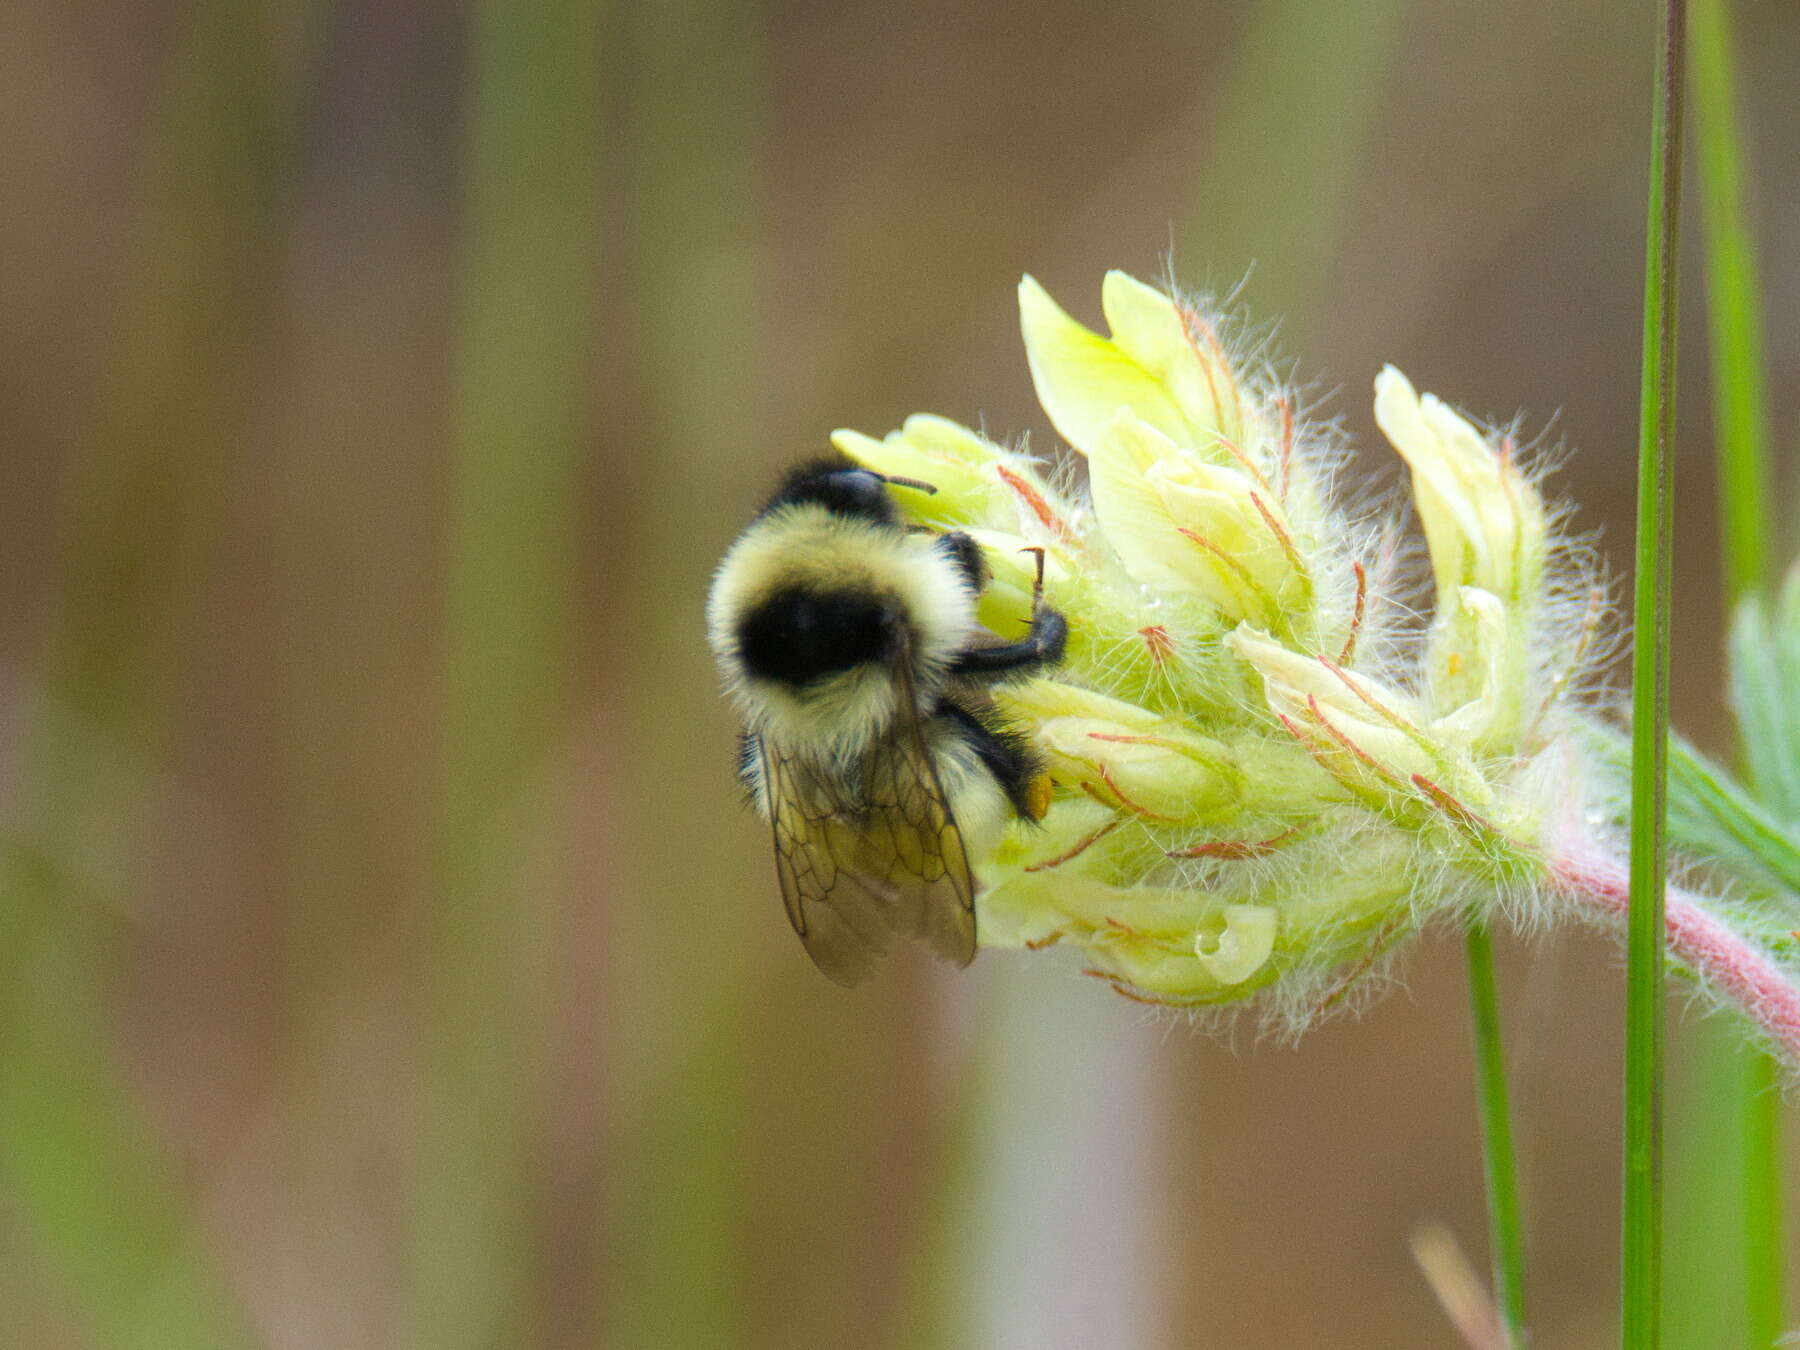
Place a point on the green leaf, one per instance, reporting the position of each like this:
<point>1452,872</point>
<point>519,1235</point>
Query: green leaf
<point>1715,819</point>
<point>1765,674</point>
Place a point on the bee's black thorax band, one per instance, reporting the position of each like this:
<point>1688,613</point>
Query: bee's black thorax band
<point>800,634</point>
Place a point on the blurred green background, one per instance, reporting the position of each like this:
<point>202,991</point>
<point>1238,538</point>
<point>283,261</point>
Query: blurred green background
<point>386,958</point>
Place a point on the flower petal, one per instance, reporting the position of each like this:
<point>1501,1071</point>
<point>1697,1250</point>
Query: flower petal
<point>1483,520</point>
<point>1243,948</point>
<point>1133,514</point>
<point>1083,379</point>
<point>1489,673</point>
<point>1150,328</point>
<point>1375,722</point>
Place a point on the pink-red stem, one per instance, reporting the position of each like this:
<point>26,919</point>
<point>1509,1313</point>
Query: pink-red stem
<point>1721,956</point>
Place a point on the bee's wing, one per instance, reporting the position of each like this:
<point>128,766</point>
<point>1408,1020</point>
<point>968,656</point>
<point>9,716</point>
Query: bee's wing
<point>888,859</point>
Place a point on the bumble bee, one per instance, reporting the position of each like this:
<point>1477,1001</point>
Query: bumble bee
<point>849,643</point>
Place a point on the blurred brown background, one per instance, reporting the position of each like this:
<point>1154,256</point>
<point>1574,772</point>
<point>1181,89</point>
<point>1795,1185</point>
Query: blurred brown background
<point>387,959</point>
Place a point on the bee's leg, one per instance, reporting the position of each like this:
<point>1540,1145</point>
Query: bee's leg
<point>1042,646</point>
<point>1004,753</point>
<point>967,556</point>
<point>1037,585</point>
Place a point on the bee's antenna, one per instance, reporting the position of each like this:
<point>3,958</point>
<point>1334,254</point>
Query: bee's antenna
<point>907,483</point>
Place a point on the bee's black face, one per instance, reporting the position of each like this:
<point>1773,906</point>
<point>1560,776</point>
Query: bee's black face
<point>841,488</point>
<point>853,492</point>
<point>798,635</point>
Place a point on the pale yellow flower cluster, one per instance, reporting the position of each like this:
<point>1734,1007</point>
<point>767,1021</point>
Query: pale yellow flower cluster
<point>1250,790</point>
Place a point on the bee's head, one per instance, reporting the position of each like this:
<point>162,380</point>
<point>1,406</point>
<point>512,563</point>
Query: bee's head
<point>843,488</point>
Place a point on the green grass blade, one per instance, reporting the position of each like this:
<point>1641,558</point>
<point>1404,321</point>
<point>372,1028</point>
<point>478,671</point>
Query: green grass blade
<point>1642,1238</point>
<point>1505,1231</point>
<point>1740,419</point>
<point>1734,320</point>
<point>529,235</point>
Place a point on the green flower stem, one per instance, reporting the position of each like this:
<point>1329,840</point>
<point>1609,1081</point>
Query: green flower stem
<point>1735,967</point>
<point>1505,1233</point>
<point>1740,416</point>
<point>1763,1218</point>
<point>1642,1238</point>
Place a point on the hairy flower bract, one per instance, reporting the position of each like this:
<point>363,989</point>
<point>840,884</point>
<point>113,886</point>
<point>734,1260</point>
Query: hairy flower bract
<point>1267,773</point>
